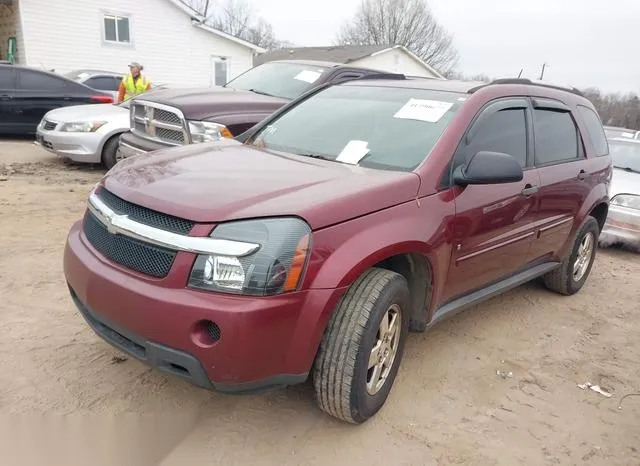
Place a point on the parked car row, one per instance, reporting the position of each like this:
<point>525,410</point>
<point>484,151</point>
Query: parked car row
<point>625,133</point>
<point>323,222</point>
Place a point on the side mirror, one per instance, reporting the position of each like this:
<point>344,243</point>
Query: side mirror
<point>489,168</point>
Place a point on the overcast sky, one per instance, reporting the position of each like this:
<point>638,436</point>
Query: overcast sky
<point>584,42</point>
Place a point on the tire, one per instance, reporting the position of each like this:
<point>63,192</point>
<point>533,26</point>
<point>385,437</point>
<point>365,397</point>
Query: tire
<point>564,280</point>
<point>341,370</point>
<point>109,152</point>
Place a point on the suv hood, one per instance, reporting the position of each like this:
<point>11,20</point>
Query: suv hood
<point>222,181</point>
<point>205,103</point>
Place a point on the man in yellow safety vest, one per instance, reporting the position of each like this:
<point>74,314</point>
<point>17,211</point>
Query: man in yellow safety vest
<point>134,83</point>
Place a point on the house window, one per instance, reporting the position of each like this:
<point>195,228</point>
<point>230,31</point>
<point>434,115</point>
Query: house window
<point>117,29</point>
<point>220,71</point>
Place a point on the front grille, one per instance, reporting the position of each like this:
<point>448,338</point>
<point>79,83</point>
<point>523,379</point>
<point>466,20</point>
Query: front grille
<point>144,215</point>
<point>159,123</point>
<point>142,257</point>
<point>49,125</point>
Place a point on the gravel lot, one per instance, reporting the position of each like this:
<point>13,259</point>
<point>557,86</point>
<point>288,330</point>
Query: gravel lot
<point>448,406</point>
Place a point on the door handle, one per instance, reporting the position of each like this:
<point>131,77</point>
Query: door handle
<point>582,175</point>
<point>529,190</point>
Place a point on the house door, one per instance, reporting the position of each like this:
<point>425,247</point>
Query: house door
<point>219,70</point>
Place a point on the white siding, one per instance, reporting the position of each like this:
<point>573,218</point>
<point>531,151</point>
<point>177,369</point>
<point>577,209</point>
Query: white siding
<point>67,35</point>
<point>395,61</point>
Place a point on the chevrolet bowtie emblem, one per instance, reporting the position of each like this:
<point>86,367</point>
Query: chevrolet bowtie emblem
<point>110,219</point>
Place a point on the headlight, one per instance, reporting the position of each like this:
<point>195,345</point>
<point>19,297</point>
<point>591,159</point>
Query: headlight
<point>205,131</point>
<point>276,267</point>
<point>627,200</point>
<point>83,126</point>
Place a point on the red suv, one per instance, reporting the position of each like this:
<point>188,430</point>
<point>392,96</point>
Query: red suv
<point>315,242</point>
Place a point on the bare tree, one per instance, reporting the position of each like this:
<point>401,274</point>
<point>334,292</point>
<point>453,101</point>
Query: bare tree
<point>237,18</point>
<point>616,109</point>
<point>402,22</point>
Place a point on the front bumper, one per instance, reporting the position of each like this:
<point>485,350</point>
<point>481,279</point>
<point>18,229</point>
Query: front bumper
<point>78,147</point>
<point>264,342</point>
<point>131,145</point>
<point>622,226</point>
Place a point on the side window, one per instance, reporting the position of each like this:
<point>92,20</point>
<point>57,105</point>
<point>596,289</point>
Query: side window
<point>504,131</point>
<point>596,132</point>
<point>7,78</point>
<point>556,137</point>
<point>102,83</point>
<point>34,81</point>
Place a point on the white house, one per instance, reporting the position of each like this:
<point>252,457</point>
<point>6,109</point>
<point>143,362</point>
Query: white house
<point>165,36</point>
<point>389,58</point>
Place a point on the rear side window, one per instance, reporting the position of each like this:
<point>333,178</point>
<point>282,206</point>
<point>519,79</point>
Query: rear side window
<point>504,131</point>
<point>34,81</point>
<point>556,137</point>
<point>596,131</point>
<point>103,83</point>
<point>7,78</point>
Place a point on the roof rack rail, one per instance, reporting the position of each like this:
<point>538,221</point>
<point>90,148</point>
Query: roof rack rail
<point>397,76</point>
<point>529,82</point>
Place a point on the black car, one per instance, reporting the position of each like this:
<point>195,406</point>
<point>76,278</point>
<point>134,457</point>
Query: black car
<point>26,94</point>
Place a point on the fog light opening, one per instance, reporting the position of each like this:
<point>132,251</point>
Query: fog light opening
<point>206,333</point>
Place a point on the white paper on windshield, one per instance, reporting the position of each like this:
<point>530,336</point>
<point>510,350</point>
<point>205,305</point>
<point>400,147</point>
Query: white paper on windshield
<point>627,135</point>
<point>308,76</point>
<point>423,110</point>
<point>353,152</point>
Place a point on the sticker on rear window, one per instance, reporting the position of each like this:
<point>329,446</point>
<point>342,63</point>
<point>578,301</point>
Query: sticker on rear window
<point>423,110</point>
<point>308,76</point>
<point>353,152</point>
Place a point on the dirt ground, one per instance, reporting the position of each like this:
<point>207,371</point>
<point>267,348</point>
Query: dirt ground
<point>448,405</point>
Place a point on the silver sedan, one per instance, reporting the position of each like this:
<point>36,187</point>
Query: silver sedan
<point>84,133</point>
<point>623,221</point>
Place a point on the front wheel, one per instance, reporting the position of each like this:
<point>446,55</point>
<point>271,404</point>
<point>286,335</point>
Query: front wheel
<point>110,152</point>
<point>569,278</point>
<point>362,347</point>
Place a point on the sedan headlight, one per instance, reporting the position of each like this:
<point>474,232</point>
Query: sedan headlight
<point>276,267</point>
<point>82,126</point>
<point>626,200</point>
<point>206,131</point>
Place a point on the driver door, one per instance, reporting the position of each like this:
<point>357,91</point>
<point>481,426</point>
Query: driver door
<point>494,224</point>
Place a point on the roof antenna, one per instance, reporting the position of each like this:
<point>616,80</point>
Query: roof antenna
<point>520,74</point>
<point>544,66</point>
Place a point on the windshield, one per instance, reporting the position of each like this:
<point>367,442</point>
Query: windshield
<point>625,155</point>
<point>284,80</point>
<point>379,127</point>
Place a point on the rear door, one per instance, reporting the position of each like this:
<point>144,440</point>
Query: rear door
<point>493,226</point>
<point>8,78</point>
<point>564,175</point>
<point>38,92</point>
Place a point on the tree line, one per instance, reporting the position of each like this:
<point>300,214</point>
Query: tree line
<point>410,23</point>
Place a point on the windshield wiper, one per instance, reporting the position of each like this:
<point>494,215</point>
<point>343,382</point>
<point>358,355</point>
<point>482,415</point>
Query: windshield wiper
<point>317,156</point>
<point>255,91</point>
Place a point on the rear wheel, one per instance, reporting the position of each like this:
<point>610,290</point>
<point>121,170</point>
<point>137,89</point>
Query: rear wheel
<point>109,152</point>
<point>362,347</point>
<point>569,278</point>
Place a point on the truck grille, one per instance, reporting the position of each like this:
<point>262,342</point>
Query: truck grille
<point>159,123</point>
<point>134,254</point>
